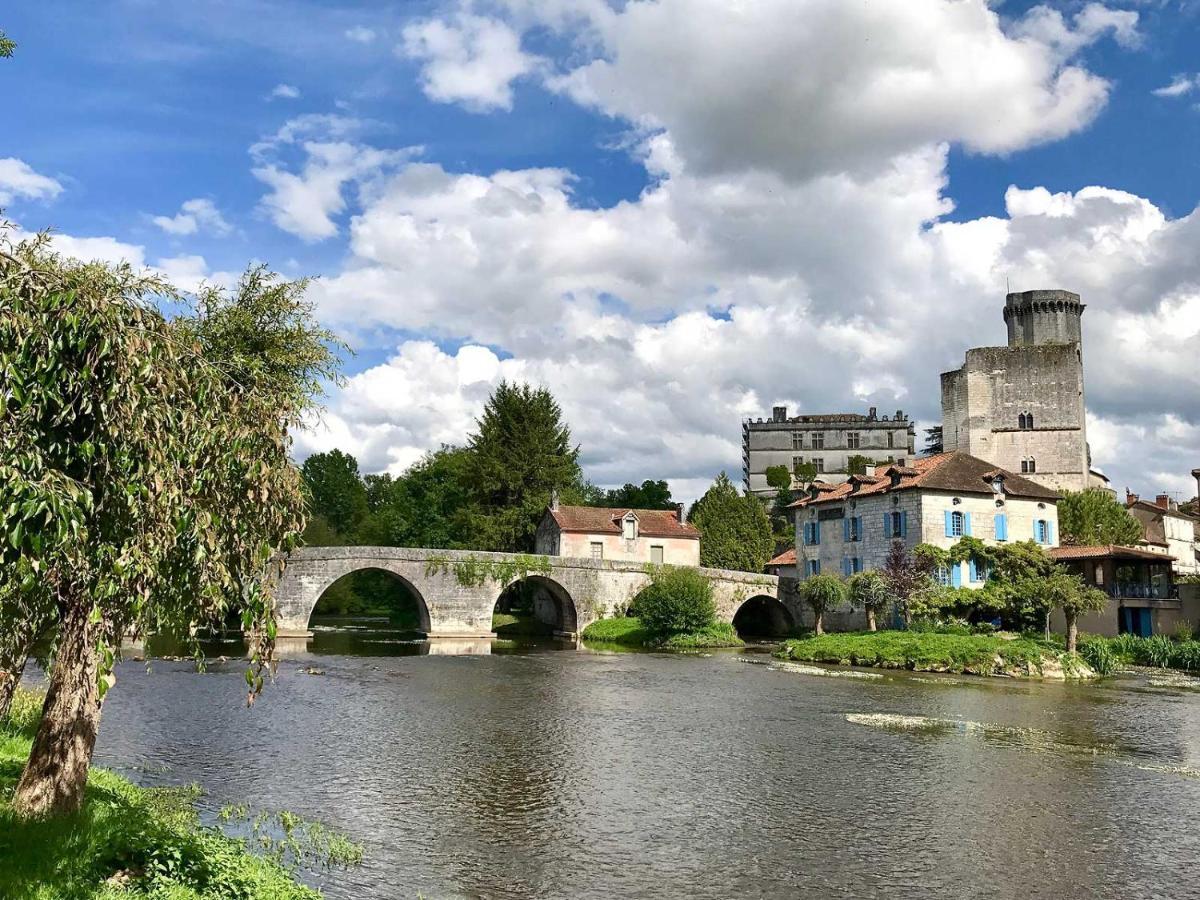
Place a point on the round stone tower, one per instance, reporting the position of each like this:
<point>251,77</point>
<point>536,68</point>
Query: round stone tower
<point>1043,317</point>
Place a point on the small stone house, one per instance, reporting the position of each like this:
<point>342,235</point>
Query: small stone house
<point>656,536</point>
<point>848,528</point>
<point>1167,530</point>
<point>783,565</point>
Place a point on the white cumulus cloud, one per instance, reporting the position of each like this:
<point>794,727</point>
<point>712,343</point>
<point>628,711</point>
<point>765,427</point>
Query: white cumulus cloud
<point>470,59</point>
<point>284,92</point>
<point>195,216</point>
<point>18,179</point>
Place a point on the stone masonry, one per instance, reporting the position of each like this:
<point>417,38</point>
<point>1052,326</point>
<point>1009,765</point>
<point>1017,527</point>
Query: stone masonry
<point>576,591</point>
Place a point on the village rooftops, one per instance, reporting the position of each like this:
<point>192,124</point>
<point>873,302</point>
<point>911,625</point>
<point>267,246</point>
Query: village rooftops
<point>955,472</point>
<point>786,558</point>
<point>604,520</point>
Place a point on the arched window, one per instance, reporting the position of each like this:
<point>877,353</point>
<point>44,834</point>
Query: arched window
<point>1022,419</point>
<point>1029,420</point>
<point>1032,464</point>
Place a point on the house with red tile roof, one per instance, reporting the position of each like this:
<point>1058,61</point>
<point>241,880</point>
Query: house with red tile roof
<point>656,536</point>
<point>850,527</point>
<point>1144,598</point>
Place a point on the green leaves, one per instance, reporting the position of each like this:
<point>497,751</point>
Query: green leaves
<point>734,530</point>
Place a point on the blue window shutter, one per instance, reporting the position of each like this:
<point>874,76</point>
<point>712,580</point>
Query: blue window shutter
<point>949,523</point>
<point>816,532</point>
<point>862,529</point>
<point>903,524</point>
<point>887,525</point>
<point>1049,532</point>
<point>845,566</point>
<point>1001,527</point>
<point>974,570</point>
<point>816,567</point>
<point>808,532</point>
<point>956,575</point>
<point>967,524</point>
<point>845,529</point>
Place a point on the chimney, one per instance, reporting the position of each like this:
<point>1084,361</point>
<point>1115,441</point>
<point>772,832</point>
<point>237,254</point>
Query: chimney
<point>1130,497</point>
<point>779,414</point>
<point>899,415</point>
<point>681,513</point>
<point>871,413</point>
<point>554,499</point>
<point>1163,501</point>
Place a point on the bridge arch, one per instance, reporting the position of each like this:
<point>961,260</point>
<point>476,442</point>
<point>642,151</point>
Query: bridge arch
<point>412,591</point>
<point>550,601</point>
<point>763,616</point>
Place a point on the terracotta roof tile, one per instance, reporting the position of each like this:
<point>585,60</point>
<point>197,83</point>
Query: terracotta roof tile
<point>955,471</point>
<point>604,520</point>
<point>1099,551</point>
<point>786,558</point>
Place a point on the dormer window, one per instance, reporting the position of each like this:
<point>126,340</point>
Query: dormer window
<point>629,527</point>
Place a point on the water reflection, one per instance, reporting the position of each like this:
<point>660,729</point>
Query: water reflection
<point>517,771</point>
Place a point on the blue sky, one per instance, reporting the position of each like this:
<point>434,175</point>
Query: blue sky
<point>666,264</point>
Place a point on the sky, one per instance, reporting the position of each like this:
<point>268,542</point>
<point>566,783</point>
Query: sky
<point>675,214</point>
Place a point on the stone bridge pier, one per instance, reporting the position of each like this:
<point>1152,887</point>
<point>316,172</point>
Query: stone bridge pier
<point>456,591</point>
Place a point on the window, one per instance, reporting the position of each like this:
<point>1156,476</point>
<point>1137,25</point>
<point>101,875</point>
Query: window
<point>1032,465</point>
<point>1043,531</point>
<point>957,524</point>
<point>978,571</point>
<point>818,439</point>
<point>629,528</point>
<point>943,575</point>
<point>891,439</point>
<point>814,567</point>
<point>856,565</point>
<point>1099,574</point>
<point>1021,420</point>
<point>818,463</point>
<point>853,440</point>
<point>1028,466</point>
<point>797,462</point>
<point>1029,421</point>
<point>597,550</point>
<point>854,528</point>
<point>812,533</point>
<point>895,524</point>
<point>656,555</point>
<point>797,440</point>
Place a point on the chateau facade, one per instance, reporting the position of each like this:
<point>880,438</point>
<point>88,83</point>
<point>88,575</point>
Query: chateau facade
<point>1021,407</point>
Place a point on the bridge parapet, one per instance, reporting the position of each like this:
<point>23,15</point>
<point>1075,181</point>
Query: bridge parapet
<point>457,589</point>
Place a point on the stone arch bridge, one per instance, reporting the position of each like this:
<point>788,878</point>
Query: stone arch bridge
<point>456,590</point>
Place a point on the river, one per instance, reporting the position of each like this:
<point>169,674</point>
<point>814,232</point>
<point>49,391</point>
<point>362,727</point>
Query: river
<point>546,772</point>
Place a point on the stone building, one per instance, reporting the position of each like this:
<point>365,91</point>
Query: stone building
<point>657,536</point>
<point>1021,407</point>
<point>850,527</point>
<point>827,441</point>
<point>1167,530</point>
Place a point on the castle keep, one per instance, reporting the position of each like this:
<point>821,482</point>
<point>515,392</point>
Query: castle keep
<point>1021,407</point>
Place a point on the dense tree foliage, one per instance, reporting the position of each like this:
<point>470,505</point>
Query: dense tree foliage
<point>783,528</point>
<point>7,45</point>
<point>934,442</point>
<point>823,593</point>
<point>734,531</point>
<point>520,453</point>
<point>677,601</point>
<point>1096,517</point>
<point>144,475</point>
<point>335,488</point>
<point>648,495</point>
<point>871,592</point>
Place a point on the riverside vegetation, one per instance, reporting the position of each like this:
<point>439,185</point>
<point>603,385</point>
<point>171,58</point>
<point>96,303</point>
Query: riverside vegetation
<point>132,842</point>
<point>675,612</point>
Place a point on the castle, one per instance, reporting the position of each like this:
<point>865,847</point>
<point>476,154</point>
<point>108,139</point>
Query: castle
<point>1021,407</point>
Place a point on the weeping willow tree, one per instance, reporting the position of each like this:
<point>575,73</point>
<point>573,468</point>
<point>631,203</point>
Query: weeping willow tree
<point>145,479</point>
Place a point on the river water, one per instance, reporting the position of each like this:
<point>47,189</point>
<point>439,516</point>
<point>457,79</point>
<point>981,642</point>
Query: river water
<point>550,772</point>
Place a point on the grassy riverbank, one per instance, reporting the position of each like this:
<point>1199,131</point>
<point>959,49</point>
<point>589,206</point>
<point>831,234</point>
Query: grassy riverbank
<point>628,631</point>
<point>130,842</point>
<point>1106,655</point>
<point>972,654</point>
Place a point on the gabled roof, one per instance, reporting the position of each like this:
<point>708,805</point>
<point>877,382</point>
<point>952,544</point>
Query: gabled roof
<point>606,520</point>
<point>956,472</point>
<point>1147,506</point>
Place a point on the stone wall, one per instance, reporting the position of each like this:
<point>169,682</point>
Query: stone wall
<point>451,607</point>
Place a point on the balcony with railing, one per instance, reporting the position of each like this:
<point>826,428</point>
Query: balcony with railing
<point>1141,591</point>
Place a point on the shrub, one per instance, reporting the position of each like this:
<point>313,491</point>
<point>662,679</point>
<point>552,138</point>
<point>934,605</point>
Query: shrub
<point>719,634</point>
<point>1183,632</point>
<point>1187,656</point>
<point>1158,651</point>
<point>823,593</point>
<point>627,630</point>
<point>678,601</point>
<point>1098,653</point>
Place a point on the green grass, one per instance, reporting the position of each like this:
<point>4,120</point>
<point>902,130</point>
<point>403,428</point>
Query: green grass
<point>129,842</point>
<point>979,654</point>
<point>510,626</point>
<point>628,631</point>
<point>1159,651</point>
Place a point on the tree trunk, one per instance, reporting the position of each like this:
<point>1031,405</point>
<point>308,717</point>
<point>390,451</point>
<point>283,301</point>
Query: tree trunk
<point>10,677</point>
<point>1072,630</point>
<point>871,619</point>
<point>55,777</point>
<point>818,625</point>
<point>1047,624</point>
